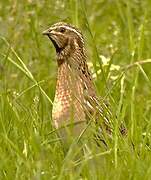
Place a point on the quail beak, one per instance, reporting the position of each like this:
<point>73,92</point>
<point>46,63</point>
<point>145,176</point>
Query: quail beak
<point>50,33</point>
<point>46,32</point>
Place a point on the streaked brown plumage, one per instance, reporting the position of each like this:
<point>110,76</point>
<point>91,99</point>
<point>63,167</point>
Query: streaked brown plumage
<point>75,96</point>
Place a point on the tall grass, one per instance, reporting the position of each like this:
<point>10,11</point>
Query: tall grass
<point>118,38</point>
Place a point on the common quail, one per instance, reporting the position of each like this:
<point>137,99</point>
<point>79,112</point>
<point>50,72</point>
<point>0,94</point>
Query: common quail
<point>75,99</point>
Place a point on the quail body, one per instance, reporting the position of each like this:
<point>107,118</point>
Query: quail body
<point>75,97</point>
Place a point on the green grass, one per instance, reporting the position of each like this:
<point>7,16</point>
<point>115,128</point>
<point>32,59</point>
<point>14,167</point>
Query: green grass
<point>116,30</point>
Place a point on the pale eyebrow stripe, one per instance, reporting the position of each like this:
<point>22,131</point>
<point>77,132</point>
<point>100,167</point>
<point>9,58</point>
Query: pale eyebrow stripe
<point>71,29</point>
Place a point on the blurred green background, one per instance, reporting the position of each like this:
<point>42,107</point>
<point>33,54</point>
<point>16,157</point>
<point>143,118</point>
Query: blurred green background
<point>116,31</point>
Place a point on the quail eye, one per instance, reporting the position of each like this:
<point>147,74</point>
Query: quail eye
<point>62,30</point>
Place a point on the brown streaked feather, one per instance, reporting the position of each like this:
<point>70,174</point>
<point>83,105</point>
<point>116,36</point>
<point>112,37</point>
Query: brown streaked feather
<point>75,92</point>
